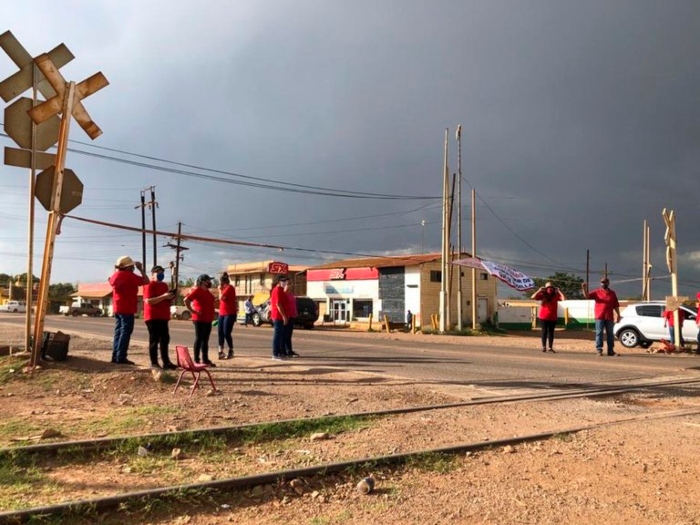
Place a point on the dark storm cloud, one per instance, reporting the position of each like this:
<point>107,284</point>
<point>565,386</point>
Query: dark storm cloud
<point>580,120</point>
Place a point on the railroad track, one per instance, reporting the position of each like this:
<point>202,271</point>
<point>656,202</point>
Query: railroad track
<point>107,503</point>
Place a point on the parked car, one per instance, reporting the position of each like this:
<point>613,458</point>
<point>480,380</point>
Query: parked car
<point>78,309</point>
<point>642,324</point>
<point>16,307</point>
<point>307,313</point>
<point>182,313</point>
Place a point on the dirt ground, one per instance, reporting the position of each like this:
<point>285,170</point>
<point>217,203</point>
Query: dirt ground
<point>636,472</point>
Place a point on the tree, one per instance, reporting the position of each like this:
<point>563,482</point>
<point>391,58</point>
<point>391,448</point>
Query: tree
<point>61,291</point>
<point>569,284</point>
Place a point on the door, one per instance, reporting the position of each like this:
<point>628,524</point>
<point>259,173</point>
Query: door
<point>482,310</point>
<point>339,309</point>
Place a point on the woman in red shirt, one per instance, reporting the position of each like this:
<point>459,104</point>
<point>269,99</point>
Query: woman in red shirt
<point>228,308</point>
<point>200,303</point>
<point>549,297</point>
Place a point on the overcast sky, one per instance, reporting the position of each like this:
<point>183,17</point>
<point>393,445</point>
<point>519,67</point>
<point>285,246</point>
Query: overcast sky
<point>580,120</point>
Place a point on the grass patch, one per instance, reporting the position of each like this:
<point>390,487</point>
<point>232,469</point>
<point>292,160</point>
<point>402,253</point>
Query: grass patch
<point>432,462</point>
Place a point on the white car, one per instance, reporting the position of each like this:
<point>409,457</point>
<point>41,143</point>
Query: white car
<point>18,307</point>
<point>642,324</point>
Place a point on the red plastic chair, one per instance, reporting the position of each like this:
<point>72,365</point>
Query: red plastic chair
<point>184,361</point>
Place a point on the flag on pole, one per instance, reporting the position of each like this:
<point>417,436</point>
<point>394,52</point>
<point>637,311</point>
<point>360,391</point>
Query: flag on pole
<point>510,276</point>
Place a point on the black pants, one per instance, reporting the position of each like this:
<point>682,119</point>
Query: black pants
<point>202,331</point>
<point>158,336</point>
<point>547,332</point>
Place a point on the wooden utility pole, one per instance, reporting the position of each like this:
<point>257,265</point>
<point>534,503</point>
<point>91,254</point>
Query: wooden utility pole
<point>445,242</point>
<point>459,226</point>
<point>646,264</point>
<point>473,300</point>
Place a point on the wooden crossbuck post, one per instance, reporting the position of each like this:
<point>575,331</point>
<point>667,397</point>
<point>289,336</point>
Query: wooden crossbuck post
<point>67,101</point>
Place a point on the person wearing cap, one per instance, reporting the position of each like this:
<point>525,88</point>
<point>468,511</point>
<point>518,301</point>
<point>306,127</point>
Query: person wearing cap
<point>228,310</point>
<point>548,314</point>
<point>279,316</point>
<point>157,299</point>
<point>125,291</point>
<point>200,302</point>
<point>606,307</point>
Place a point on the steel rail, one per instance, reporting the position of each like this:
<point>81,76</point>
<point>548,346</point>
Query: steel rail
<point>98,505</point>
<point>113,442</point>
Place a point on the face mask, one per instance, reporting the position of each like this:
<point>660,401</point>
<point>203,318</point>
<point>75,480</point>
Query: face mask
<point>160,276</point>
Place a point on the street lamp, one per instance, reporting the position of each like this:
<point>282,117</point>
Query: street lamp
<point>422,235</point>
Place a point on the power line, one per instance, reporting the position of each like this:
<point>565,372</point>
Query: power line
<point>249,181</point>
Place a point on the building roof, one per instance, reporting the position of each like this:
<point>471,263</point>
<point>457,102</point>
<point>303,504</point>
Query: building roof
<point>258,267</point>
<point>382,261</point>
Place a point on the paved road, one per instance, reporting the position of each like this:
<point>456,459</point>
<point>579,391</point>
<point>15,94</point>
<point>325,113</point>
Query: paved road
<point>422,361</point>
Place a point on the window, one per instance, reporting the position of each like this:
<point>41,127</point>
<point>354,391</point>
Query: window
<point>262,278</point>
<point>483,277</point>
<point>650,310</point>
<point>238,280</point>
<point>435,276</point>
<point>361,308</point>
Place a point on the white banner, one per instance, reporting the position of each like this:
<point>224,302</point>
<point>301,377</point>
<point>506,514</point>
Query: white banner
<point>508,275</point>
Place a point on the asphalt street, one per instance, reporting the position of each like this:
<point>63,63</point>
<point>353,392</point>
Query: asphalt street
<point>423,361</point>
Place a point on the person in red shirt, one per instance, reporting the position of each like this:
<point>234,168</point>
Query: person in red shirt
<point>291,310</point>
<point>606,307</point>
<point>670,321</point>
<point>549,297</point>
<point>279,316</point>
<point>125,291</point>
<point>157,299</point>
<point>200,302</point>
<point>228,310</point>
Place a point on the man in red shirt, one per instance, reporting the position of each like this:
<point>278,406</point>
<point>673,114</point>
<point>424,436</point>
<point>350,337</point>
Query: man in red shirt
<point>125,291</point>
<point>606,306</point>
<point>157,298</point>
<point>279,316</point>
<point>670,321</point>
<point>697,319</point>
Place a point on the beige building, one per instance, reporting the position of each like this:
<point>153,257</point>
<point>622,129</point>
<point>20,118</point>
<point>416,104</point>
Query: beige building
<point>254,279</point>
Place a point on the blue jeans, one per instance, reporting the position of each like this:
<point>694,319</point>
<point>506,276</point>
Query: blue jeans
<point>123,328</point>
<point>226,323</point>
<point>601,325</point>
<point>278,336</point>
<point>672,332</point>
<point>289,330</point>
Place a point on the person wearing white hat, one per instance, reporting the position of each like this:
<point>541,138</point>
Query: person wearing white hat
<point>125,290</point>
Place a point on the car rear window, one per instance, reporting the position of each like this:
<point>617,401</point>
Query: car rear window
<point>650,310</point>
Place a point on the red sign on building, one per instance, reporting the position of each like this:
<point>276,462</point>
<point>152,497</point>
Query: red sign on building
<point>277,267</point>
<point>337,274</point>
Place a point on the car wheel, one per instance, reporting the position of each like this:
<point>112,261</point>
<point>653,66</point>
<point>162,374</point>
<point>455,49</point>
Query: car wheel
<point>256,320</point>
<point>186,315</point>
<point>15,310</point>
<point>645,344</point>
<point>309,326</point>
<point>629,337</point>
<point>76,313</point>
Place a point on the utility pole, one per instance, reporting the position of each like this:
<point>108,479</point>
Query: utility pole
<point>445,241</point>
<point>459,226</point>
<point>175,276</point>
<point>153,205</point>
<point>474,309</point>
<point>143,227</point>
